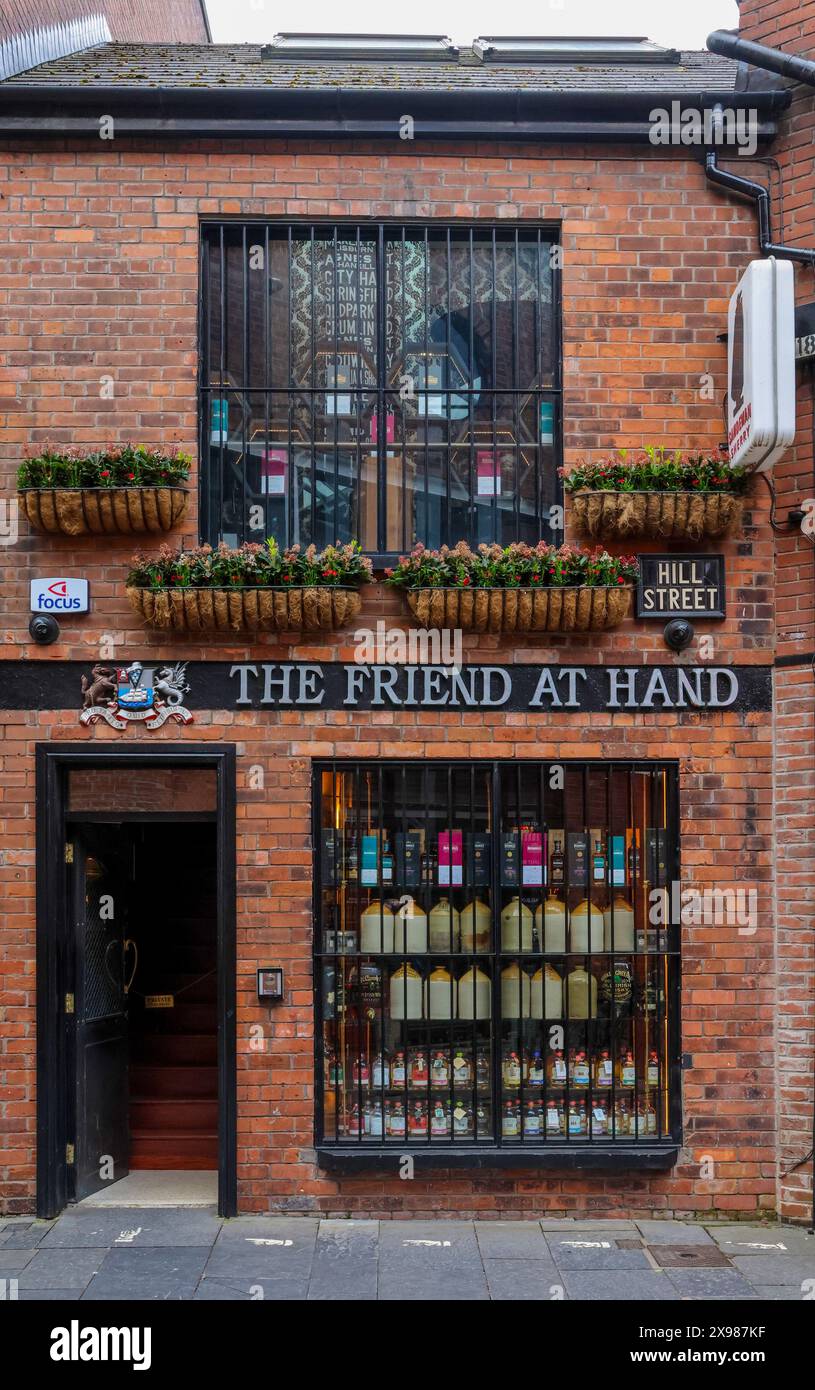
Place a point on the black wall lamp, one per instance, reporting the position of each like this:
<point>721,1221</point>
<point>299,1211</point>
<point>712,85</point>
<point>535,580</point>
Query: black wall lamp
<point>678,634</point>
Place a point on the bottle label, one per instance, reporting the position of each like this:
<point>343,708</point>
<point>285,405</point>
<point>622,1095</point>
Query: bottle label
<point>553,1121</point>
<point>628,1075</point>
<point>559,1070</point>
<point>581,1074</point>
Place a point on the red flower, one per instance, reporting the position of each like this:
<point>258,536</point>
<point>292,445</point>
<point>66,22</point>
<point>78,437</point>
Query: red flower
<point>106,474</point>
<point>131,476</point>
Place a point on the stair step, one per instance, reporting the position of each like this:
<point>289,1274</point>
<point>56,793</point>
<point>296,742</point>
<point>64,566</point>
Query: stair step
<point>195,987</point>
<point>175,1049</point>
<point>165,1082</point>
<point>184,1150</point>
<point>195,1016</point>
<point>165,1115</point>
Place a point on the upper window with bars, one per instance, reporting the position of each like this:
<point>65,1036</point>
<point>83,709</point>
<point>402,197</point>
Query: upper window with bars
<point>387,384</point>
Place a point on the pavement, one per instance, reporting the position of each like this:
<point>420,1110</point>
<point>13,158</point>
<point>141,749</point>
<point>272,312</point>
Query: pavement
<point>182,1253</point>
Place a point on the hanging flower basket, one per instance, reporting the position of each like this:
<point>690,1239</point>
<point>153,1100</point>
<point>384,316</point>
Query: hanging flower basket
<point>656,496</point>
<point>123,490</point>
<point>104,511</point>
<point>256,588</point>
<point>516,588</point>
<point>669,516</point>
<point>246,609</point>
<point>582,608</point>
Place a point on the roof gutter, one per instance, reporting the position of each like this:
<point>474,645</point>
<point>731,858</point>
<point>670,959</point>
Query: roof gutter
<point>29,110</point>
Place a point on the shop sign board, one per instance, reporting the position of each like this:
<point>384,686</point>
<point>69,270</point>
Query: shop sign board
<point>681,586</point>
<point>260,685</point>
<point>761,364</point>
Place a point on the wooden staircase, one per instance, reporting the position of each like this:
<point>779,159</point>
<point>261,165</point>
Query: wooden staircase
<point>173,1056</point>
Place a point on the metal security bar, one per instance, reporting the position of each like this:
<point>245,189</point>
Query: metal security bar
<point>390,384</point>
<point>495,958</point>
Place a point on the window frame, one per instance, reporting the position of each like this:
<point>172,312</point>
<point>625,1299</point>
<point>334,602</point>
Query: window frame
<point>210,525</point>
<point>611,1153</point>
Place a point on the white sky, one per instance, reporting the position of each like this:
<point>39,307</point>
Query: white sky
<point>681,23</point>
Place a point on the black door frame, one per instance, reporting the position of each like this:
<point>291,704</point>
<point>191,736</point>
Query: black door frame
<point>53,762</point>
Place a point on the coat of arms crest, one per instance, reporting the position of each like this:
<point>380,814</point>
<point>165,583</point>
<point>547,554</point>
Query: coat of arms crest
<point>135,694</point>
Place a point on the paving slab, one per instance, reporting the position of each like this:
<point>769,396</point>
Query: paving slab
<point>632,1286</point>
<point>134,1265</point>
<point>265,1289</point>
<point>673,1233</point>
<point>135,1228</point>
<point>173,1292</point>
<point>12,1261</point>
<point>24,1236</point>
<point>511,1240</point>
<point>760,1240</point>
<point>772,1269</point>
<point>299,1229</point>
<point>465,1284</point>
<point>781,1293</point>
<point>213,1291</point>
<point>571,1257</point>
<point>49,1295</point>
<point>522,1280</point>
<point>711,1283</point>
<point>345,1261</point>
<point>412,1236</point>
<point>61,1269</point>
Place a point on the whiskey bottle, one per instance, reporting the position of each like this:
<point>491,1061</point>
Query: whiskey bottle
<point>580,1070</point>
<point>598,857</point>
<point>557,866</point>
<point>556,1071</point>
<point>462,1068</point>
<point>627,1077</point>
<point>603,1071</point>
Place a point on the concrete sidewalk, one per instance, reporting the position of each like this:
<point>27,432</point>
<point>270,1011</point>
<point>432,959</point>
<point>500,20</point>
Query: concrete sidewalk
<point>190,1253</point>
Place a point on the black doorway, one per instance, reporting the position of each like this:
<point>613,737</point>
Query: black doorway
<point>135,969</point>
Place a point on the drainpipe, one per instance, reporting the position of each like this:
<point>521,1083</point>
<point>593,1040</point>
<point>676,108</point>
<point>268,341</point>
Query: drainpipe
<point>759,56</point>
<point>799,70</point>
<point>748,188</point>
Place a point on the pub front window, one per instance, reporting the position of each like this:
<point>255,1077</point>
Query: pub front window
<point>494,960</point>
<point>390,384</point>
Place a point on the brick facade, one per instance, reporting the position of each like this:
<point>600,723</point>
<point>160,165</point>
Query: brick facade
<point>100,279</point>
<point>792,27</point>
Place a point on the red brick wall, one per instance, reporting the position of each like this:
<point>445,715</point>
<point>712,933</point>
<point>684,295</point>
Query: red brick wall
<point>99,278</point>
<point>790,25</point>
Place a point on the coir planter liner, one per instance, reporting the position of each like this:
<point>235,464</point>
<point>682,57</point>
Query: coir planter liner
<point>557,609</point>
<point>104,511</point>
<point>318,609</point>
<point>692,516</point>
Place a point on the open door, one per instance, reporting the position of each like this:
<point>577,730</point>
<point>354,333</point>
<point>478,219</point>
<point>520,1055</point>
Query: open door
<point>99,903</point>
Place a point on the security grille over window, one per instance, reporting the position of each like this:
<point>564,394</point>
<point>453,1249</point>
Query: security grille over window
<point>386,384</point>
<point>103,964</point>
<point>494,956</point>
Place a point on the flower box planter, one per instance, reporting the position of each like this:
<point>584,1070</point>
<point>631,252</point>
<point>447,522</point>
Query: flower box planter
<point>212,609</point>
<point>552,609</point>
<point>104,511</point>
<point>653,515</point>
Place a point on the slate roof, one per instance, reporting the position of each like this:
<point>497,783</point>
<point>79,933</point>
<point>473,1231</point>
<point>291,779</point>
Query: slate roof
<point>175,67</point>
